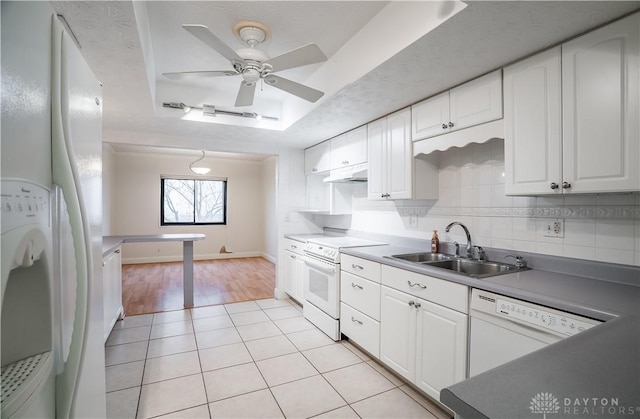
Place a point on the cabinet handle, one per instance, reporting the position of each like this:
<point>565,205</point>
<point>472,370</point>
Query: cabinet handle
<point>566,185</point>
<point>385,195</point>
<point>554,185</point>
<point>117,251</point>
<point>356,286</point>
<point>103,264</point>
<point>293,246</point>
<point>450,124</point>
<point>356,267</point>
<point>417,305</point>
<point>292,256</point>
<point>353,319</point>
<point>314,169</point>
<point>412,303</point>
<point>444,126</point>
<point>414,284</point>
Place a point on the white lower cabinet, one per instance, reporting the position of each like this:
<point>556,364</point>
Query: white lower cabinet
<point>112,289</point>
<point>424,342</point>
<point>360,302</point>
<point>294,270</point>
<point>360,328</point>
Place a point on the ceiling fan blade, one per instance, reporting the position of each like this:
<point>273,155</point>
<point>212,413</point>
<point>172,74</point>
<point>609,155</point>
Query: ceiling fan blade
<point>297,89</point>
<point>305,55</point>
<point>205,35</point>
<point>195,74</point>
<point>245,94</point>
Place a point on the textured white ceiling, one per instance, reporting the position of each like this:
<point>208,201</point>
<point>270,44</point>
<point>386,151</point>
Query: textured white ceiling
<point>482,37</point>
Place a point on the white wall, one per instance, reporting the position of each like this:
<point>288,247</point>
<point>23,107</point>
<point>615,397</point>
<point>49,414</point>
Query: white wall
<point>269,194</point>
<point>136,207</point>
<point>108,180</point>
<point>600,227</point>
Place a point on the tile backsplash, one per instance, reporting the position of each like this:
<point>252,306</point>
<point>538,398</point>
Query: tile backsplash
<point>603,227</point>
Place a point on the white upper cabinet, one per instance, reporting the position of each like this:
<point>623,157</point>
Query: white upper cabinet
<point>349,148</point>
<point>392,169</point>
<point>472,103</point>
<point>377,146</point>
<point>533,124</point>
<point>571,115</point>
<point>317,159</point>
<point>430,117</point>
<point>600,92</point>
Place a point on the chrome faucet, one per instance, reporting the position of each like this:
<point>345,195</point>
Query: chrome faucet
<point>466,231</point>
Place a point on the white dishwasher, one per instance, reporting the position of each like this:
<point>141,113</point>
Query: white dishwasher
<point>503,329</point>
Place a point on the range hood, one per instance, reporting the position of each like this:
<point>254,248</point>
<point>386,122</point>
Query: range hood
<point>355,173</point>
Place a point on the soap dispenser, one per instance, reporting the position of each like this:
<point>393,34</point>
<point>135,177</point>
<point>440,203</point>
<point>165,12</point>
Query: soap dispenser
<point>435,242</point>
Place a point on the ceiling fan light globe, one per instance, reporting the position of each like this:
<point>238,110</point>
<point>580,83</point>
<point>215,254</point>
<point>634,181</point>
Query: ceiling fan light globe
<point>251,76</point>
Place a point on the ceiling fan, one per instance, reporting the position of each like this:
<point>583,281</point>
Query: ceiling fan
<point>253,64</point>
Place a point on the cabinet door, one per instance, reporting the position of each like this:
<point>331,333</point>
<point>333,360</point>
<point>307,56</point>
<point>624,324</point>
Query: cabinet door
<point>400,156</point>
<point>356,150</point>
<point>600,91</point>
<point>112,289</point>
<point>107,293</point>
<point>398,332</point>
<point>339,151</point>
<point>476,102</point>
<point>533,125</point>
<point>298,278</point>
<point>441,347</point>
<point>290,271</point>
<point>317,158</point>
<point>430,117</point>
<point>376,141</point>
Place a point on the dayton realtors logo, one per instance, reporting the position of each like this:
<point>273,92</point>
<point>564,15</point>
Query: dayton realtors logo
<point>547,403</point>
<point>544,403</point>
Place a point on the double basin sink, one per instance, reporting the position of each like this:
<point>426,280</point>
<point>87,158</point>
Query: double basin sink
<point>470,267</point>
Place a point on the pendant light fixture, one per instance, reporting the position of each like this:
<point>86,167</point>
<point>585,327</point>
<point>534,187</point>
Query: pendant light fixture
<point>199,169</point>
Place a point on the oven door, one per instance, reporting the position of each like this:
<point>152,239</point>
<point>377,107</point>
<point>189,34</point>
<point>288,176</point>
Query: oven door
<point>322,285</point>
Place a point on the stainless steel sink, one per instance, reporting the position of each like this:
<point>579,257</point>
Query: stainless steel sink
<point>470,267</point>
<point>476,268</point>
<point>424,257</point>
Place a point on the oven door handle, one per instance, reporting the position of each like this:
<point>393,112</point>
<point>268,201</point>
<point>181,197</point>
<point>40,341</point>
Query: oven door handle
<point>320,266</point>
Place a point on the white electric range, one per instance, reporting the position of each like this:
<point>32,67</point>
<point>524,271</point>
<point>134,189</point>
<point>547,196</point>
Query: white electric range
<point>322,280</point>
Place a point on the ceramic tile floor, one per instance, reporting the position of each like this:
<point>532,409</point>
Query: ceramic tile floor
<point>257,359</point>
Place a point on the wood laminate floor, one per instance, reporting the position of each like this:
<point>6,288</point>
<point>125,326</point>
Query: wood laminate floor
<point>154,287</point>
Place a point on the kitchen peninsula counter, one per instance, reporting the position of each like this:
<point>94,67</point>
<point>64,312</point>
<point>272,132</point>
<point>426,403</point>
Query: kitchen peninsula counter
<point>109,243</point>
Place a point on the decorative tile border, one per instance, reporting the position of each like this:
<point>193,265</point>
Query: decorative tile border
<point>622,212</point>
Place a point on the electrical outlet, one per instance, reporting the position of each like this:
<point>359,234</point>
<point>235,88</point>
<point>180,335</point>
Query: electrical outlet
<point>413,221</point>
<point>554,228</point>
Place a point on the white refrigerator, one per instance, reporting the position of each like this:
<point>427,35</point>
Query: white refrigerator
<point>51,141</point>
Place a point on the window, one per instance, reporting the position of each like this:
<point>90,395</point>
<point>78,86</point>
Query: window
<point>193,201</point>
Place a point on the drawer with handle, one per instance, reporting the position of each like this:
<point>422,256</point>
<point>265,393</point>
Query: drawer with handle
<point>361,294</point>
<point>361,267</point>
<point>361,329</point>
<point>294,246</point>
<point>439,291</point>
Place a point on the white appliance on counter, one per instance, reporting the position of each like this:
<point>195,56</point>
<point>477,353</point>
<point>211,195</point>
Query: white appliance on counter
<point>51,308</point>
<point>322,280</point>
<point>504,328</point>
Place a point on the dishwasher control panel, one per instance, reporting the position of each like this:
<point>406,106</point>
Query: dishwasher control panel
<point>559,322</point>
<point>541,318</point>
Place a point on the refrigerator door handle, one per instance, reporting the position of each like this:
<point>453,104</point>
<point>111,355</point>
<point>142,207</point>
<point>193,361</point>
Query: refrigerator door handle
<point>65,175</point>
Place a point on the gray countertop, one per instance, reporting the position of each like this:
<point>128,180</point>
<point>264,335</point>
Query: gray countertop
<point>602,363</point>
<point>110,243</point>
